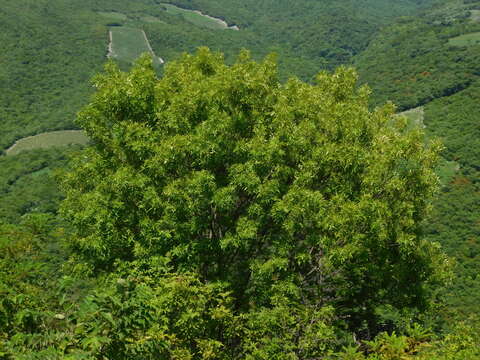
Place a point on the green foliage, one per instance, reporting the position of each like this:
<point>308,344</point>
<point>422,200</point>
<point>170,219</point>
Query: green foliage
<point>461,343</point>
<point>236,216</point>
<point>454,120</point>
<point>445,77</point>
<point>454,221</point>
<point>27,183</point>
<point>113,15</point>
<point>430,67</point>
<point>152,315</point>
<point>417,343</point>
<point>286,193</point>
<point>29,262</point>
<point>50,48</point>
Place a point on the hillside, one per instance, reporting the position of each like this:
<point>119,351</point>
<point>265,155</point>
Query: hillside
<point>425,61</point>
<point>51,49</point>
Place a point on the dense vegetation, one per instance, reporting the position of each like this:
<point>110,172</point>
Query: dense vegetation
<point>202,201</point>
<point>237,176</point>
<point>49,53</point>
<point>50,49</point>
<point>446,79</point>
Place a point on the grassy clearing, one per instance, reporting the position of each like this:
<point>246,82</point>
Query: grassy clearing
<point>466,40</point>
<point>113,15</point>
<point>129,43</point>
<point>445,170</point>
<point>151,19</point>
<point>475,15</point>
<point>196,18</point>
<point>414,117</point>
<point>49,139</point>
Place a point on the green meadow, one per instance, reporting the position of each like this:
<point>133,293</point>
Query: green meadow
<point>129,43</point>
<point>466,39</point>
<point>48,139</point>
<point>475,15</point>
<point>112,15</point>
<point>414,116</point>
<point>195,18</point>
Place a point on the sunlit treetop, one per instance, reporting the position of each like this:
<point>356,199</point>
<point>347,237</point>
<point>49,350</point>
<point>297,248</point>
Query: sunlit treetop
<point>278,190</point>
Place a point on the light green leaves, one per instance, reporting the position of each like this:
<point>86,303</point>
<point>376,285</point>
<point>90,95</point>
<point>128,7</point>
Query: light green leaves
<point>288,193</point>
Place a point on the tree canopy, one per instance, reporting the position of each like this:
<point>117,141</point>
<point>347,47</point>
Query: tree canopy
<point>281,195</point>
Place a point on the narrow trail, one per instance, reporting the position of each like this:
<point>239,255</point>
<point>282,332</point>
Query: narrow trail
<point>150,48</point>
<point>110,51</point>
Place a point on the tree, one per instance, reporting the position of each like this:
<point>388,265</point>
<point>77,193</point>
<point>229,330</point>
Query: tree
<point>295,197</point>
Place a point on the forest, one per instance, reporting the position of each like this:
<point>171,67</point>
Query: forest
<point>263,194</point>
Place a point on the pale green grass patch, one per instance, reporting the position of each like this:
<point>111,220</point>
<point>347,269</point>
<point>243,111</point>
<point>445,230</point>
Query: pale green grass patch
<point>152,19</point>
<point>113,15</point>
<point>48,139</point>
<point>445,170</point>
<point>196,18</point>
<point>475,15</point>
<point>465,40</point>
<point>414,117</point>
<point>129,43</point>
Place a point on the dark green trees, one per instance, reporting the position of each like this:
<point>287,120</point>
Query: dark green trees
<point>297,200</point>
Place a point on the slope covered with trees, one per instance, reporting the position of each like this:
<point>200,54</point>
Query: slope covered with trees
<point>412,63</point>
<point>50,49</point>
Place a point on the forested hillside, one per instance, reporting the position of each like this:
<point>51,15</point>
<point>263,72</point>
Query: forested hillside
<point>425,61</point>
<point>222,211</point>
<point>51,49</point>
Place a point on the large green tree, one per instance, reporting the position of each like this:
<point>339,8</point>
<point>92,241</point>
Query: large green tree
<point>290,195</point>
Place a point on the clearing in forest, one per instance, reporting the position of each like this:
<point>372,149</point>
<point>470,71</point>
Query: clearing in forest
<point>415,117</point>
<point>48,139</point>
<point>198,18</point>
<point>151,19</point>
<point>475,15</point>
<point>127,44</point>
<point>112,15</point>
<point>466,39</point>
<point>445,170</point>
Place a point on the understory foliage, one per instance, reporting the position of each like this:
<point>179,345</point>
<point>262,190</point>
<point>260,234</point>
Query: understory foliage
<point>238,217</point>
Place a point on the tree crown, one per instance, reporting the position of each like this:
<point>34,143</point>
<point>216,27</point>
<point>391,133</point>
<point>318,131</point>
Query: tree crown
<point>282,191</point>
